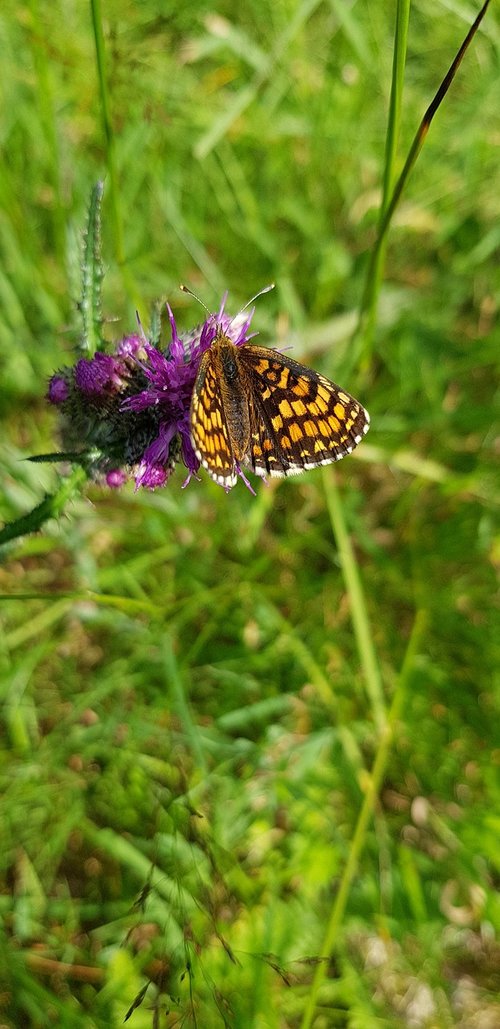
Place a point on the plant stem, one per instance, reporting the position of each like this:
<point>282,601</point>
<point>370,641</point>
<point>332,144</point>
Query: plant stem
<point>359,612</point>
<point>51,507</point>
<point>366,813</point>
<point>375,267</point>
<point>374,283</point>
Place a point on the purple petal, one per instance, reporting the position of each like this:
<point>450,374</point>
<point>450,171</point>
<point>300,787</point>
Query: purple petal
<point>176,347</point>
<point>188,455</point>
<point>152,471</point>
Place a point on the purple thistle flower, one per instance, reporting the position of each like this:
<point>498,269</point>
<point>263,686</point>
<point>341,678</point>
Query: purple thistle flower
<point>116,478</point>
<point>171,378</point>
<point>58,390</point>
<point>98,374</point>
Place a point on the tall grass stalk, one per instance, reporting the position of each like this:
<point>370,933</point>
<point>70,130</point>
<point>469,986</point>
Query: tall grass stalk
<point>371,292</point>
<point>366,812</point>
<point>398,69</point>
<point>359,612</point>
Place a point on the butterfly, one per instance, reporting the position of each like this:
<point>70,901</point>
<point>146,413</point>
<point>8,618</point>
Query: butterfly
<point>256,407</point>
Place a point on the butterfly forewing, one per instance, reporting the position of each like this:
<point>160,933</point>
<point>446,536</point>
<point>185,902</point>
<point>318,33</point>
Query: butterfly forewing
<point>300,418</point>
<point>209,429</point>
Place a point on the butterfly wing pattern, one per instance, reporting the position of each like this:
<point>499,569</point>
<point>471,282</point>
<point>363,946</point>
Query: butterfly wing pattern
<point>209,429</point>
<point>255,407</point>
<point>301,419</point>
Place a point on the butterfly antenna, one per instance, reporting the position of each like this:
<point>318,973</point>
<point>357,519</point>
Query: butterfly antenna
<point>186,289</point>
<point>266,289</point>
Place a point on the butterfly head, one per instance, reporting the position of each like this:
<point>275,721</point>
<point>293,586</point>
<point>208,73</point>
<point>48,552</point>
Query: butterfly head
<point>224,328</point>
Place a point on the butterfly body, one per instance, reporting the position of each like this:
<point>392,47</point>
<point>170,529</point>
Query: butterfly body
<point>256,407</point>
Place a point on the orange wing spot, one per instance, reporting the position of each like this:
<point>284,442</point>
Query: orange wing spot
<point>310,428</point>
<point>324,428</point>
<point>344,397</point>
<point>295,431</point>
<point>218,461</point>
<point>266,394</point>
<point>285,409</point>
<point>301,388</point>
<point>262,367</point>
<point>284,379</point>
<point>319,445</point>
<point>323,394</point>
<point>312,409</point>
<point>340,411</point>
<point>354,414</point>
<point>271,376</point>
<point>321,405</point>
<point>285,442</point>
<point>298,407</point>
<point>334,423</point>
<point>257,451</point>
<point>267,445</point>
<point>277,422</point>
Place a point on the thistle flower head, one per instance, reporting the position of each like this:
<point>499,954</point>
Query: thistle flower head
<point>128,412</point>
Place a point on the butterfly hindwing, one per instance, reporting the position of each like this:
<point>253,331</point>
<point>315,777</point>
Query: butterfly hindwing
<point>299,419</point>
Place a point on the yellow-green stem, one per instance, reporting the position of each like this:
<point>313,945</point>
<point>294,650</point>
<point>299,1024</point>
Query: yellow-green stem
<point>359,612</point>
<point>365,814</point>
<point>374,283</point>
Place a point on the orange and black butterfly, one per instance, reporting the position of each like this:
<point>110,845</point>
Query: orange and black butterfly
<point>256,408</point>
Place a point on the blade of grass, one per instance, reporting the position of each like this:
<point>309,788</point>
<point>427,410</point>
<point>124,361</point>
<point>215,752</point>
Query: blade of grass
<point>366,813</point>
<point>37,624</point>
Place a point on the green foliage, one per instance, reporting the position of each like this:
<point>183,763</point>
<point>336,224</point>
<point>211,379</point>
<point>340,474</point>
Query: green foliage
<point>195,686</point>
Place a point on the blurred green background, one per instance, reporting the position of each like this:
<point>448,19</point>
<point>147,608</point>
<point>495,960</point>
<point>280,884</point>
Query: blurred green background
<point>193,686</point>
